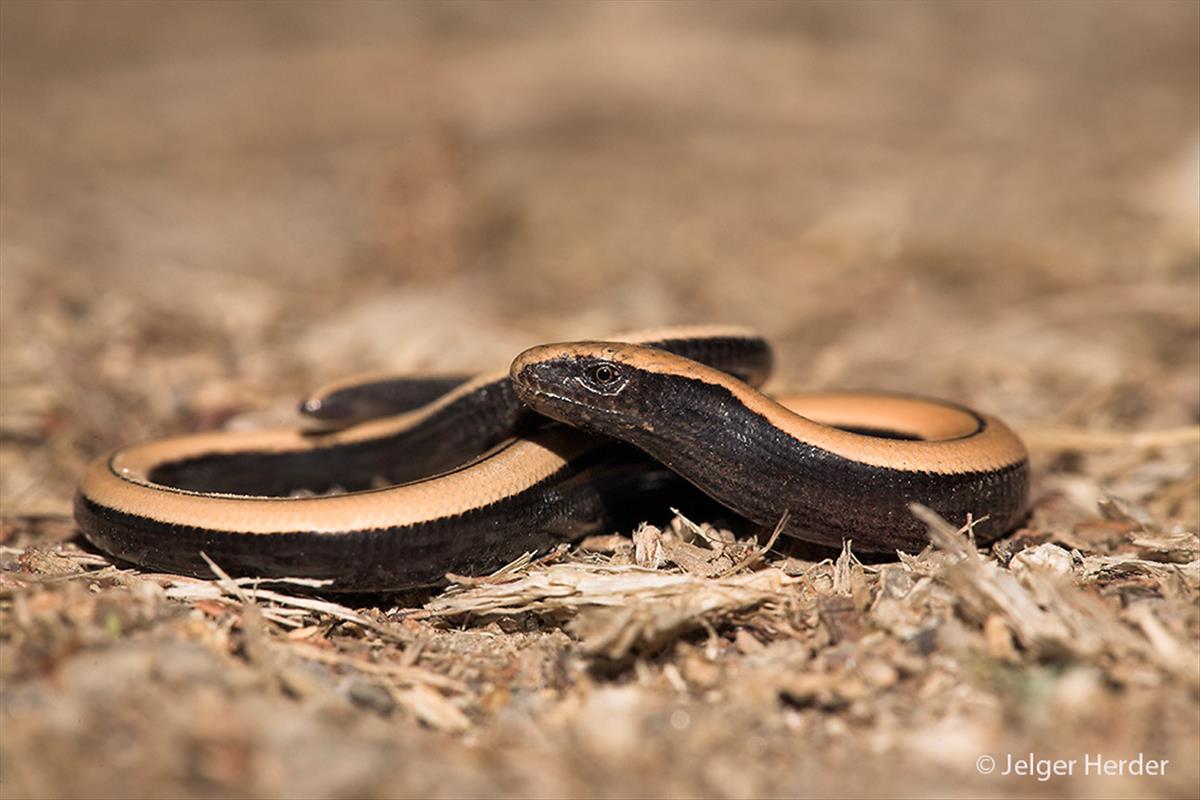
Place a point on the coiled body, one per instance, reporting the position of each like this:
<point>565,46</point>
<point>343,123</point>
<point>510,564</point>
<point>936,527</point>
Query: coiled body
<point>232,496</point>
<point>680,401</point>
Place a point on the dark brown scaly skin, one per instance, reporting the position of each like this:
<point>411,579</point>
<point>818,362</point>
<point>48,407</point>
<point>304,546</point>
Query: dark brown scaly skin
<point>745,356</point>
<point>467,425</point>
<point>380,397</point>
<point>589,494</point>
<point>471,419</point>
<point>552,484</point>
<point>702,431</point>
<point>162,504</point>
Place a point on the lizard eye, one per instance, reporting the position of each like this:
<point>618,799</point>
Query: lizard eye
<point>603,374</point>
<point>604,378</point>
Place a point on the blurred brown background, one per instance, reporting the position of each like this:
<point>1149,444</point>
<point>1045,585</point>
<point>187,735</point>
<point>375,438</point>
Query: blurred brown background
<point>208,208</point>
<point>935,197</point>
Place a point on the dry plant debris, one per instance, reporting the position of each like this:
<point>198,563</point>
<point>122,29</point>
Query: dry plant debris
<point>833,644</point>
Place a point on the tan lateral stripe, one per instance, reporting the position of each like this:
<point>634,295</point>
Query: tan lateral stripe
<point>287,440</point>
<point>140,459</point>
<point>994,447</point>
<point>915,416</point>
<point>507,472</point>
<point>647,336</point>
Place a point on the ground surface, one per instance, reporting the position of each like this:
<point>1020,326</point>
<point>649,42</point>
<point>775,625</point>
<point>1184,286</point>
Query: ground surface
<point>207,209</point>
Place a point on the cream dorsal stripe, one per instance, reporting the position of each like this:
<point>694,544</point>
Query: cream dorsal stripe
<point>161,504</point>
<point>122,481</point>
<point>509,469</point>
<point>343,390</point>
<point>967,441</point>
